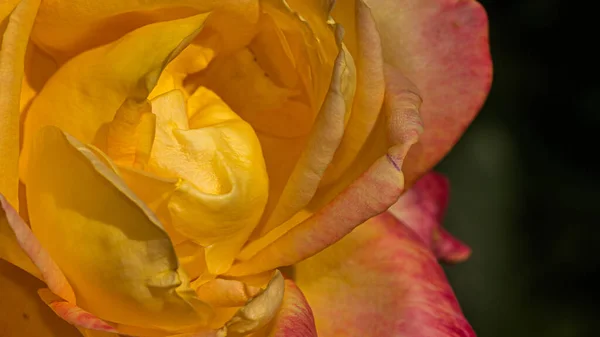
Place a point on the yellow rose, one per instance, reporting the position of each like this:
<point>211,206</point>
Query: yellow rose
<point>160,160</point>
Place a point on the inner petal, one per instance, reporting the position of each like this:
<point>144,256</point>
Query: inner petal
<point>215,163</point>
<point>253,93</point>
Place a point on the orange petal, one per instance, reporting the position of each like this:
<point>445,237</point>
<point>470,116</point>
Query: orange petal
<point>442,46</point>
<point>22,312</point>
<point>380,280</point>
<point>295,318</point>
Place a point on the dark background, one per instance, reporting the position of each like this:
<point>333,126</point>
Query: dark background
<point>525,178</point>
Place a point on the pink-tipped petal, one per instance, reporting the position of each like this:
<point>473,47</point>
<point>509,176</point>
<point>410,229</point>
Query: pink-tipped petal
<point>380,280</point>
<point>449,249</point>
<point>442,46</point>
<point>50,272</point>
<point>371,194</point>
<point>422,209</point>
<point>74,314</point>
<point>295,318</point>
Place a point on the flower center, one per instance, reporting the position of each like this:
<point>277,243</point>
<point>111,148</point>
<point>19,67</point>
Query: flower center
<point>196,136</point>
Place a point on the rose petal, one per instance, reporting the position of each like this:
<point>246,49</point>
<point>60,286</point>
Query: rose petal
<point>44,266</point>
<point>22,312</point>
<point>295,318</point>
<point>370,86</point>
<point>422,209</point>
<point>380,280</point>
<point>13,44</point>
<point>97,83</point>
<point>10,250</point>
<point>366,196</point>
<point>449,249</point>
<point>95,333</point>
<point>226,293</point>
<point>39,67</point>
<point>259,311</point>
<point>223,187</point>
<point>442,46</point>
<point>293,51</point>
<point>110,247</point>
<point>73,314</point>
<point>322,143</point>
<point>59,296</point>
<point>67,28</point>
<point>370,195</point>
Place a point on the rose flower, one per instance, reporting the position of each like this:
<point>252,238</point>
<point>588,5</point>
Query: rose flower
<point>232,168</point>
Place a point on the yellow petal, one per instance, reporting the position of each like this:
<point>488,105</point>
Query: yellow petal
<point>226,293</point>
<point>13,45</point>
<point>277,84</point>
<point>22,312</point>
<point>223,187</point>
<point>109,245</point>
<point>6,7</point>
<point>85,94</point>
<point>39,67</point>
<point>67,28</point>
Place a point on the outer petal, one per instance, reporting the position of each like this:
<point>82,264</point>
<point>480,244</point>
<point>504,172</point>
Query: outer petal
<point>22,312</point>
<point>295,318</point>
<point>13,44</point>
<point>422,209</point>
<point>441,46</point>
<point>380,280</point>
<point>110,247</point>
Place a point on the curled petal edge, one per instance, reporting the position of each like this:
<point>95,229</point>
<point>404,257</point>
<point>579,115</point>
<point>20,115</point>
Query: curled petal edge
<point>422,209</point>
<point>371,194</point>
